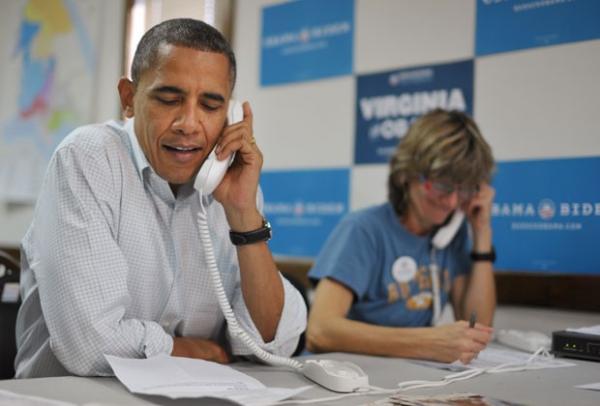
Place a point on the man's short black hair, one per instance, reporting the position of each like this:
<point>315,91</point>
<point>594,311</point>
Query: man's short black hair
<point>185,32</point>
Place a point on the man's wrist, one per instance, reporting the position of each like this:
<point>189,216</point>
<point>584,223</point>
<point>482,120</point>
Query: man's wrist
<point>243,222</point>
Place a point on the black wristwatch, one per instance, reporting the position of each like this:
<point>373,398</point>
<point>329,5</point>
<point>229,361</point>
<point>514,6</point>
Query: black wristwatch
<point>484,256</point>
<point>251,237</point>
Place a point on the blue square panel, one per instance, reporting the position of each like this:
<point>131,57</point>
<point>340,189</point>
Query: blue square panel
<point>546,215</point>
<point>303,207</point>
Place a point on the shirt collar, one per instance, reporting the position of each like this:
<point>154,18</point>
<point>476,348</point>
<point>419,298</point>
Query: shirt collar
<point>139,158</point>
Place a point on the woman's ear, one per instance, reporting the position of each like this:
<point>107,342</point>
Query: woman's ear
<point>126,93</point>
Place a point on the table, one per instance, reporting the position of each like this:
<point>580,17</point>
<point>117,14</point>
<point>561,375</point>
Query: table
<point>541,387</point>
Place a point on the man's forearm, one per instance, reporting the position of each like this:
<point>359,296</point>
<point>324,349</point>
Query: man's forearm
<point>261,287</point>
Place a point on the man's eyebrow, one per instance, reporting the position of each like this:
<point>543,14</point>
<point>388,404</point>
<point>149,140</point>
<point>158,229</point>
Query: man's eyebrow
<point>176,90</point>
<point>167,89</point>
<point>213,96</point>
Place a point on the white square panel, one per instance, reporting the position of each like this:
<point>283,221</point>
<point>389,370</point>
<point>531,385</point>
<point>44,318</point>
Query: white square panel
<point>392,34</point>
<point>368,185</point>
<point>540,103</point>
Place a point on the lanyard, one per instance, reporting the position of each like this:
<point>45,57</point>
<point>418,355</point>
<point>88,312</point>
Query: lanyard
<point>435,287</point>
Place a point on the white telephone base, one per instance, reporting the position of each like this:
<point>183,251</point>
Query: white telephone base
<point>529,341</point>
<point>338,376</point>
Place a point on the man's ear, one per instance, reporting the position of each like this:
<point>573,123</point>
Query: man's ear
<point>126,93</point>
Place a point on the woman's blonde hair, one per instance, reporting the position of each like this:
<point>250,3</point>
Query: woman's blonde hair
<point>442,145</point>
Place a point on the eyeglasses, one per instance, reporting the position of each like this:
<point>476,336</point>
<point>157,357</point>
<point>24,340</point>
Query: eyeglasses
<point>438,189</point>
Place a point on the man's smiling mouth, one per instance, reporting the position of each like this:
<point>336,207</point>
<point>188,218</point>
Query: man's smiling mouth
<point>183,154</point>
<point>181,148</point>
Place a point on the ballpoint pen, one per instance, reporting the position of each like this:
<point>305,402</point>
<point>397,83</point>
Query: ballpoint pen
<point>472,319</point>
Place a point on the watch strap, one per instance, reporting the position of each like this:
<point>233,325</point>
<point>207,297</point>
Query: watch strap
<point>250,237</point>
<point>484,256</point>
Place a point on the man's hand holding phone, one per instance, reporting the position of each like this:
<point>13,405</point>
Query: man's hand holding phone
<point>237,192</point>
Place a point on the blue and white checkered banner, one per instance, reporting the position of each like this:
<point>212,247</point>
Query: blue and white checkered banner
<point>306,40</point>
<point>546,215</point>
<point>507,25</point>
<point>388,102</point>
<point>303,207</point>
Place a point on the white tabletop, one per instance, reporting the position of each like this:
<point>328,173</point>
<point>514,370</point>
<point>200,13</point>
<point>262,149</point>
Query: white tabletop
<point>539,387</point>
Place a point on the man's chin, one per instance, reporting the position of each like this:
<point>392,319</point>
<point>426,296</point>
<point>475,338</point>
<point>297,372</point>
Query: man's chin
<point>177,181</point>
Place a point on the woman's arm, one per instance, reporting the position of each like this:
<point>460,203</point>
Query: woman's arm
<point>330,330</point>
<point>477,292</point>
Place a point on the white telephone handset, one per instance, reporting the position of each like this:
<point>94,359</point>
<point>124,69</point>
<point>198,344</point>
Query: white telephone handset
<point>212,171</point>
<point>334,375</point>
<point>446,233</point>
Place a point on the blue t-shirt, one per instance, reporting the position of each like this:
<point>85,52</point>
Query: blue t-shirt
<point>387,267</point>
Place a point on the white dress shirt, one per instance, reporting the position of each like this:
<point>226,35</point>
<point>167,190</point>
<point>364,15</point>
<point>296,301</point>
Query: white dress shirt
<point>113,264</point>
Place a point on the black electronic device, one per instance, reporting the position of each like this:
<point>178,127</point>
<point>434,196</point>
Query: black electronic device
<point>576,345</point>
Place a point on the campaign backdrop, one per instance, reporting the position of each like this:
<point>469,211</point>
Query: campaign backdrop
<point>303,207</point>
<point>507,25</point>
<point>551,208</point>
<point>298,37</point>
<point>388,102</point>
<point>527,70</point>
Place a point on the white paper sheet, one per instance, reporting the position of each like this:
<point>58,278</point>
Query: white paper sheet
<point>593,330</point>
<point>492,357</point>
<point>177,377</point>
<point>590,386</point>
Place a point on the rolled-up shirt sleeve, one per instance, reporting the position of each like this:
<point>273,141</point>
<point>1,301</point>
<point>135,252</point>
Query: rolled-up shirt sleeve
<point>81,271</point>
<point>291,324</point>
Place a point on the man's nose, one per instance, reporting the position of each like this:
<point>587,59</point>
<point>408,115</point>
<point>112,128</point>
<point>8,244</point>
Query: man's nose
<point>188,120</point>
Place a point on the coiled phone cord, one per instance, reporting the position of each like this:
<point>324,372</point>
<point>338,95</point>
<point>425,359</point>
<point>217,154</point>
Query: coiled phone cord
<point>232,323</point>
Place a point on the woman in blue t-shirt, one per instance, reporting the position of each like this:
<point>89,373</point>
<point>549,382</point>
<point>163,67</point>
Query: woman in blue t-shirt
<point>386,271</point>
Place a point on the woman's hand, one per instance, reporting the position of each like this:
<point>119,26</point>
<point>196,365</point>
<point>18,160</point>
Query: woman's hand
<point>458,341</point>
<point>479,214</point>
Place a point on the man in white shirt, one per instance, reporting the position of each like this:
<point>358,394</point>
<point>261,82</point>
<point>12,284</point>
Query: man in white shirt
<point>113,262</point>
